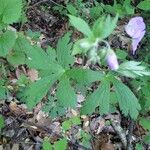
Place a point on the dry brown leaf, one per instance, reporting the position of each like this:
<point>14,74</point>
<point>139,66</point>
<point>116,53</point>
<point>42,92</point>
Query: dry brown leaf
<point>107,146</point>
<point>17,109</point>
<point>32,74</point>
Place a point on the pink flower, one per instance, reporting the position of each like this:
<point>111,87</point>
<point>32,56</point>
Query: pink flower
<point>136,30</point>
<point>112,61</point>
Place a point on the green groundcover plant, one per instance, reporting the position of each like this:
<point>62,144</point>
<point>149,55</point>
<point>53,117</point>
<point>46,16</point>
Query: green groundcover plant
<point>56,66</point>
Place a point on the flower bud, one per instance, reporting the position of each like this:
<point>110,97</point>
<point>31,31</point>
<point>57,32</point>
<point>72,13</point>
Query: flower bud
<point>112,61</point>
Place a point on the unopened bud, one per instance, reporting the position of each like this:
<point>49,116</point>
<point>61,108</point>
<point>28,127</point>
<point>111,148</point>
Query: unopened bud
<point>112,61</point>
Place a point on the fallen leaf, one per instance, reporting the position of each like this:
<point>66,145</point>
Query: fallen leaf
<point>32,74</point>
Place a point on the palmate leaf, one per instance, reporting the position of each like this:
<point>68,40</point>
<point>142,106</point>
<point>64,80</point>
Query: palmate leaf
<point>7,41</point>
<point>10,11</point>
<point>84,76</point>
<point>99,98</point>
<point>128,102</point>
<point>80,25</point>
<point>65,94</point>
<point>36,57</point>
<point>37,90</point>
<point>63,49</point>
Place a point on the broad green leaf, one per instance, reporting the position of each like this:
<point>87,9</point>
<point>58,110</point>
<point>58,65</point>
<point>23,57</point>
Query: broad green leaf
<point>65,94</point>
<point>10,11</point>
<point>144,5</point>
<point>84,76</point>
<point>2,122</point>
<point>46,145</point>
<point>128,102</point>
<point>145,123</point>
<point>64,56</point>
<point>104,26</point>
<point>80,25</point>
<point>100,98</point>
<point>16,58</point>
<point>60,145</point>
<point>37,90</point>
<point>7,41</point>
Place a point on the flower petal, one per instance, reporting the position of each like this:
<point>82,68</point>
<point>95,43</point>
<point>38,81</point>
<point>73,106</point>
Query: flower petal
<point>135,27</point>
<point>135,42</point>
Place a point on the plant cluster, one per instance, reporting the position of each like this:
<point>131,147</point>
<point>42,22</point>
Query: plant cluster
<point>57,70</point>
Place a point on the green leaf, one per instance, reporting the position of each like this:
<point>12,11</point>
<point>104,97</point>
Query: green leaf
<point>60,145</point>
<point>128,103</point>
<point>7,41</point>
<point>53,108</point>
<point>128,7</point>
<point>84,76</point>
<point>16,58</point>
<point>37,90</point>
<point>65,94</point>
<point>96,11</point>
<point>145,123</point>
<point>37,58</point>
<point>66,125</point>
<point>10,11</point>
<point>72,10</point>
<point>51,54</point>
<point>121,54</point>
<point>146,139</point>
<point>144,5</point>
<point>133,69</point>
<point>100,98</point>
<point>139,147</point>
<point>81,46</point>
<point>2,122</point>
<point>2,93</point>
<point>46,144</point>
<point>104,26</point>
<point>80,25</point>
<point>64,56</point>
